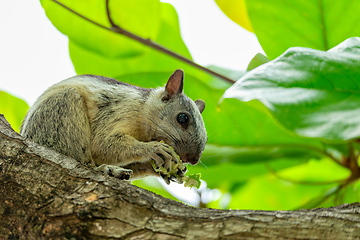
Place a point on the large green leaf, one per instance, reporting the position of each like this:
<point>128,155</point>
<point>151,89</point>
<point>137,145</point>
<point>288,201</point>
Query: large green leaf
<point>322,24</point>
<point>86,61</point>
<point>13,108</point>
<point>313,93</point>
<point>101,41</point>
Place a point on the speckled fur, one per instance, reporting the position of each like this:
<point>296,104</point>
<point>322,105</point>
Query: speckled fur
<point>98,120</point>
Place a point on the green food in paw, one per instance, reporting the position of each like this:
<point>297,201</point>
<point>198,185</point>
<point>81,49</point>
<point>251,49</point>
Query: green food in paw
<point>192,180</point>
<point>158,170</point>
<point>175,167</point>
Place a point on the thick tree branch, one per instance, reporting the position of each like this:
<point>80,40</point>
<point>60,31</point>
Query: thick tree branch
<point>116,29</point>
<point>45,195</point>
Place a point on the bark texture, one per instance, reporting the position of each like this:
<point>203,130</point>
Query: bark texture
<point>45,195</point>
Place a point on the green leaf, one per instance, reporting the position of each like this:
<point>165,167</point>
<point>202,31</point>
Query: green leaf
<point>258,60</point>
<point>313,93</point>
<point>13,108</point>
<point>236,10</point>
<point>281,24</point>
<point>192,180</point>
<point>101,41</point>
<point>86,61</point>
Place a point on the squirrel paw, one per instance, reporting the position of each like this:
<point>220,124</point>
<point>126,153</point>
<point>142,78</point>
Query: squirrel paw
<point>163,155</point>
<point>178,174</point>
<point>167,163</point>
<point>175,175</point>
<point>115,171</point>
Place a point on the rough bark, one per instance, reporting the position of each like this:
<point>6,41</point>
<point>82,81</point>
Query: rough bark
<point>45,195</point>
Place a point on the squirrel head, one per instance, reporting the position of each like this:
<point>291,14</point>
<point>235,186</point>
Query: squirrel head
<point>176,119</point>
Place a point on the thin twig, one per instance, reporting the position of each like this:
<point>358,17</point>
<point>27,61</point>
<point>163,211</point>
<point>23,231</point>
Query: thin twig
<point>147,42</point>
<point>108,13</point>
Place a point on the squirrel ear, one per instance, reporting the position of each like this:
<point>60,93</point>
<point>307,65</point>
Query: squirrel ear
<point>175,84</point>
<point>200,104</point>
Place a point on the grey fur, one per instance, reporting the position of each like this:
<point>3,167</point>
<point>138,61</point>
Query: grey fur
<point>116,127</point>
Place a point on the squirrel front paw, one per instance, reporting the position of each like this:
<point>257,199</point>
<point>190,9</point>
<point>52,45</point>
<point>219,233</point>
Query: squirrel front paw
<point>163,155</point>
<point>115,171</point>
<point>168,166</point>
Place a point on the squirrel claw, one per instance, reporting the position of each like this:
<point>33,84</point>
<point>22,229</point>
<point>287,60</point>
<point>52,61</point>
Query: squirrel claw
<point>166,178</point>
<point>180,173</point>
<point>172,178</point>
<point>115,171</point>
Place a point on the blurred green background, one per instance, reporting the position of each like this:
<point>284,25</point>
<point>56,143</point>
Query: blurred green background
<point>284,136</point>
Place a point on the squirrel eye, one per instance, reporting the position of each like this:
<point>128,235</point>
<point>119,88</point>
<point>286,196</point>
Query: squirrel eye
<point>183,119</point>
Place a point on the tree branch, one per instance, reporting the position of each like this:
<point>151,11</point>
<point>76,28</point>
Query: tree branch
<point>116,29</point>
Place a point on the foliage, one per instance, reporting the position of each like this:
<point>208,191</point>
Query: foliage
<point>281,24</point>
<point>313,90</point>
<point>291,140</point>
<point>13,108</point>
<point>236,11</point>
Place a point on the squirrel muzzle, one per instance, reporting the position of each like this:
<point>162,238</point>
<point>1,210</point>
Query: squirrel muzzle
<point>191,158</point>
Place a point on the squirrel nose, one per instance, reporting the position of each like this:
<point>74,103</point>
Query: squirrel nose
<point>190,158</point>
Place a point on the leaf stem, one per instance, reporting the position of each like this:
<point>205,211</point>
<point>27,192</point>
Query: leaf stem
<point>115,28</point>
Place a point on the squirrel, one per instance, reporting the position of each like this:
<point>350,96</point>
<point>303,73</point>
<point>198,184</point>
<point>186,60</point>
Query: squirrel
<point>116,128</point>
